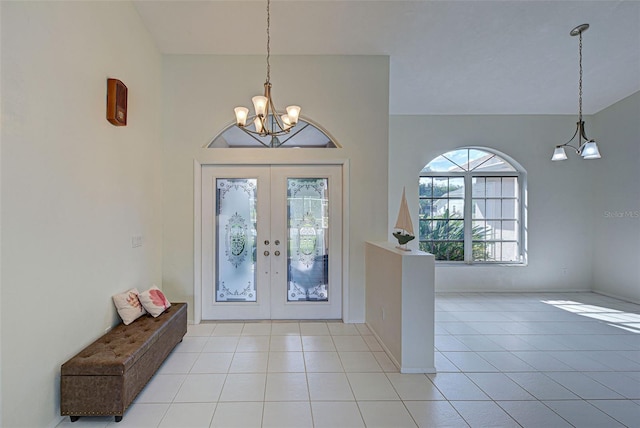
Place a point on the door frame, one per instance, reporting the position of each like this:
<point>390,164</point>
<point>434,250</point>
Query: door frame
<point>257,160</point>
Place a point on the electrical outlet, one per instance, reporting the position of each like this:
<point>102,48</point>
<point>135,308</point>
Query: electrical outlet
<point>136,241</point>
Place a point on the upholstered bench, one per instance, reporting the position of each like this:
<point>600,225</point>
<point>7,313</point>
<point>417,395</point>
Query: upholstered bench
<point>105,377</point>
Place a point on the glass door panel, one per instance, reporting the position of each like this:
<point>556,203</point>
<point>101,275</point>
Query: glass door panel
<point>236,246</point>
<point>309,199</point>
<point>308,224</point>
<point>235,224</point>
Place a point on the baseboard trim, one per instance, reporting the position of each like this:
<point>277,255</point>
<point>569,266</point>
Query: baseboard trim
<point>384,347</point>
<point>615,296</point>
<point>56,422</point>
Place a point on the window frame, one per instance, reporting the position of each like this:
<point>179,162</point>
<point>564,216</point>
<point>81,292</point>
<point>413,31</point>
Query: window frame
<point>468,176</point>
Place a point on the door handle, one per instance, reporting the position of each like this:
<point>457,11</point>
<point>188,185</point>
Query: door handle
<point>266,253</point>
<point>277,253</point>
<point>277,242</point>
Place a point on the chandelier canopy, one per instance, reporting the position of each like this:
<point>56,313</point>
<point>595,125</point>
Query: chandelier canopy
<point>589,148</point>
<point>266,121</point>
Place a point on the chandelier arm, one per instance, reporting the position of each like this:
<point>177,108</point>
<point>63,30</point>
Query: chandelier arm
<point>577,150</point>
<point>276,134</point>
<point>267,93</point>
<point>567,144</point>
<point>263,121</point>
<point>253,134</point>
<point>250,119</point>
<point>276,117</point>
<point>583,134</point>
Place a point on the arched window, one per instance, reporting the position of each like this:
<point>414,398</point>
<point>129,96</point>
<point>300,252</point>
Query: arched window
<point>304,134</point>
<point>471,207</point>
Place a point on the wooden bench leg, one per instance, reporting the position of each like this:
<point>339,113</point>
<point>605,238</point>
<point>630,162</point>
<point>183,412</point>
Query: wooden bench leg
<point>118,418</point>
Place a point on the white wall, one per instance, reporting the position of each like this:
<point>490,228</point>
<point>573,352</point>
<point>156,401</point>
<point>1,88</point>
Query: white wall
<point>346,95</point>
<point>560,197</point>
<point>74,188</point>
<point>1,116</point>
<point>616,213</point>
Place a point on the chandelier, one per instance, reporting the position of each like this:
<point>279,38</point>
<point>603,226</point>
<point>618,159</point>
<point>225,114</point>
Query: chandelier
<point>589,148</point>
<point>267,122</point>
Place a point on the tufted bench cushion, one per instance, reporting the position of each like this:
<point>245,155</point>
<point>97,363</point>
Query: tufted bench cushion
<point>106,376</point>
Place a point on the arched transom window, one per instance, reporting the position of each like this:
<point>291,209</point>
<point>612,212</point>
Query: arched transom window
<point>471,207</point>
<point>304,134</point>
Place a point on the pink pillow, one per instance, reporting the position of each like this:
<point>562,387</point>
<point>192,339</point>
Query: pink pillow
<point>128,306</point>
<point>154,301</point>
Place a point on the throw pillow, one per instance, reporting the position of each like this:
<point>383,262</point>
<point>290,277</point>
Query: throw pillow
<point>129,306</point>
<point>154,301</point>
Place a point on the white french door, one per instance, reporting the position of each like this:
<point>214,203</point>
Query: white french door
<point>271,242</point>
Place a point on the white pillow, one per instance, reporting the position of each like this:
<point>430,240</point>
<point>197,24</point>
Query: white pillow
<point>129,306</point>
<point>154,301</point>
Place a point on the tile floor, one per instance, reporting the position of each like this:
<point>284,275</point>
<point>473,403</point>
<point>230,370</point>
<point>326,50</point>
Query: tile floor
<point>503,360</point>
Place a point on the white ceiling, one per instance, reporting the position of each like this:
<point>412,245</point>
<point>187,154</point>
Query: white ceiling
<point>446,57</point>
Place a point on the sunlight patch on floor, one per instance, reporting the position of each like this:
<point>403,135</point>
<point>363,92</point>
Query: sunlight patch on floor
<point>615,318</point>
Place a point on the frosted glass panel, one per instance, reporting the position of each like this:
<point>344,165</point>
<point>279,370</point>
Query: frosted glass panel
<point>236,239</point>
<point>308,246</point>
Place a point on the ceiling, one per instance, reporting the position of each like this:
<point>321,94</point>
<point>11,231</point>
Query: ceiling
<point>446,57</point>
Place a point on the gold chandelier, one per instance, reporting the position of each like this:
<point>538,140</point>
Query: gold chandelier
<point>267,122</point>
<point>588,149</point>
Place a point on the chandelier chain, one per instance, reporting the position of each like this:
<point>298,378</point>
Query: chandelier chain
<point>580,80</point>
<point>268,41</point>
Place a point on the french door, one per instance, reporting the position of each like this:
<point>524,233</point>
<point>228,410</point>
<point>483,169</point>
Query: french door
<point>272,242</point>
